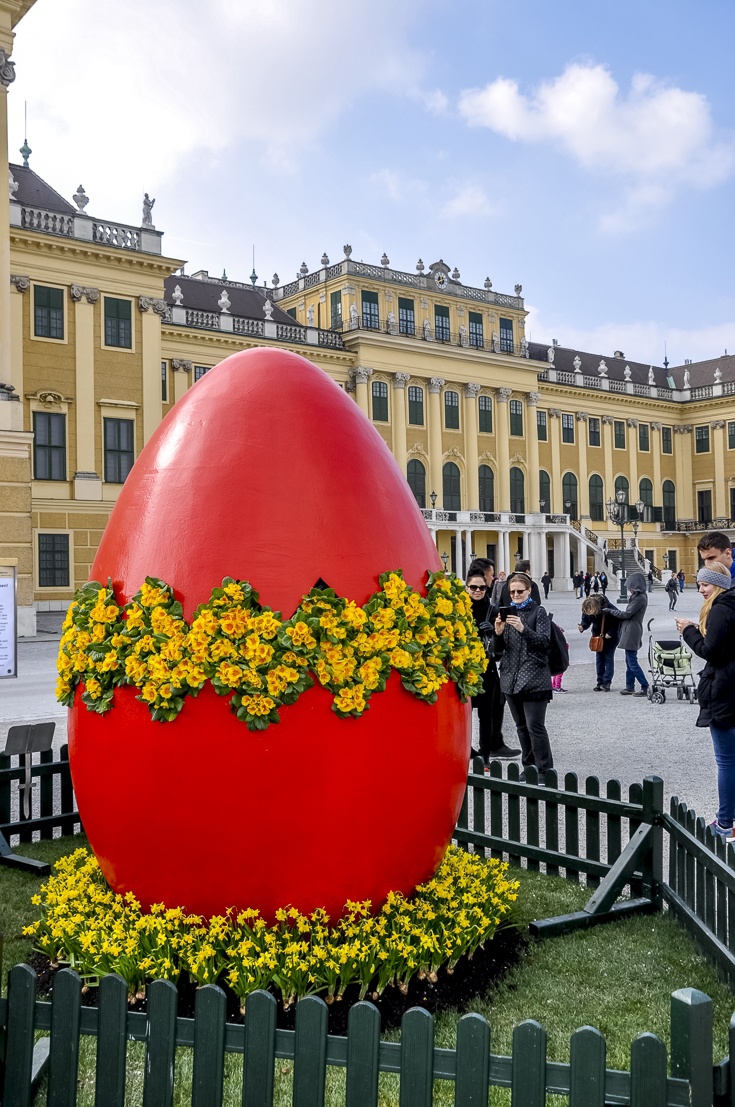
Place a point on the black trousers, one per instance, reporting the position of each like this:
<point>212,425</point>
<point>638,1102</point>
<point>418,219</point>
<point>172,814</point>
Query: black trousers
<point>530,719</point>
<point>490,708</point>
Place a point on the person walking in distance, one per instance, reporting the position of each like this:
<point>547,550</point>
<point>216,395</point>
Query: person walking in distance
<point>603,582</point>
<point>713,639</point>
<point>672,591</point>
<point>546,582</point>
<point>630,637</point>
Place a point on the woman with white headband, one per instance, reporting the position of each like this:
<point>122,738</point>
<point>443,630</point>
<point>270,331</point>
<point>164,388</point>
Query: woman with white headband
<point>714,640</point>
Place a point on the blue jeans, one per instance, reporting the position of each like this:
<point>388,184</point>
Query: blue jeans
<point>633,671</point>
<point>724,742</point>
<point>605,661</point>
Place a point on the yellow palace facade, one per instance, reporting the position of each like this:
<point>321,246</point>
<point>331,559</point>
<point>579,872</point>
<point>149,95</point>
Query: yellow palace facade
<point>511,448</point>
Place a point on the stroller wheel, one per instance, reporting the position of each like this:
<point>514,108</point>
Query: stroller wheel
<point>680,693</point>
<point>658,696</point>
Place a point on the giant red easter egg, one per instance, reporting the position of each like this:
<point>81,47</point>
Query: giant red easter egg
<point>267,471</point>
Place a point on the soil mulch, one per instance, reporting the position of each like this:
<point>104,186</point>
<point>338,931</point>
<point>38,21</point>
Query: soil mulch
<point>472,977</point>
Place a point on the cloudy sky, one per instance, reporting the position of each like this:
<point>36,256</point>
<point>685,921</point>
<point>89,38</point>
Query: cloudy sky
<point>584,148</point>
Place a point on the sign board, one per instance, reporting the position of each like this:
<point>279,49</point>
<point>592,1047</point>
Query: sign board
<point>8,622</point>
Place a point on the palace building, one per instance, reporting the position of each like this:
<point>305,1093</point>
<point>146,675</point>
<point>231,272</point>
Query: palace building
<point>510,448</point>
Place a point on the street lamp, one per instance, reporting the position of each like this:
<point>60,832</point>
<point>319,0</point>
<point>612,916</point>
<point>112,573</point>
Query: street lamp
<point>432,497</point>
<point>618,512</point>
<point>445,559</point>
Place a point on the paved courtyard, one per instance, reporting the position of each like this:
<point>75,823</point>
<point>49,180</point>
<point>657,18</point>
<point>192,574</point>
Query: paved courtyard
<point>592,733</point>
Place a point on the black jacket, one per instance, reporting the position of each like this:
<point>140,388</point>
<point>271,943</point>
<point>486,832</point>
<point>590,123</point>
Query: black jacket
<point>717,681</point>
<point>484,612</point>
<point>524,658</point>
<point>612,626</point>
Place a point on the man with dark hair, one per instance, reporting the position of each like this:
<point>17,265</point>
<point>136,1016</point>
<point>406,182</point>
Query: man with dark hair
<point>715,547</point>
<point>522,566</point>
<point>482,565</point>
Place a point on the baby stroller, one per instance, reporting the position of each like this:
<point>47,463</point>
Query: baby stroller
<point>670,665</point>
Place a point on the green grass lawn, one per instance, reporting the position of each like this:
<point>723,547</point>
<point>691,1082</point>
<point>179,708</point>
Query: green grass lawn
<point>616,977</point>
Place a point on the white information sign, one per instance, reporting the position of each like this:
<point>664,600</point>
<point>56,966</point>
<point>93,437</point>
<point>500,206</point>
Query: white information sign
<point>8,625</point>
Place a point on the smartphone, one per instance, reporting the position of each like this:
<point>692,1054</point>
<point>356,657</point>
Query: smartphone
<point>504,612</point>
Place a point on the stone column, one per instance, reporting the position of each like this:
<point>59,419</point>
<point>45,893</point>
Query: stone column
<point>471,392</point>
<point>557,499</point>
<point>632,432</point>
<point>583,488</point>
<point>458,551</point>
<point>400,380</point>
<point>362,376</point>
<point>87,481</point>
<point>720,505</point>
<point>656,452</point>
<point>607,450</point>
<point>7,76</point>
<point>21,286</point>
<point>533,493</point>
<point>436,483</point>
<point>502,448</point>
<point>505,543</point>
<point>151,314</point>
<point>683,457</point>
<point>181,367</point>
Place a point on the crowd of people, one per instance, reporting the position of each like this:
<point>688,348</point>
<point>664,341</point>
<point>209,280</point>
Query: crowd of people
<point>519,639</point>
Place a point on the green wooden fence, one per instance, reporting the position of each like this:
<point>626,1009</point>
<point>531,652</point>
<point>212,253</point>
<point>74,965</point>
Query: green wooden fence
<point>471,1066</point>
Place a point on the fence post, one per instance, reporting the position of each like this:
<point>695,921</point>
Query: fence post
<point>653,865</point>
<point>691,1043</point>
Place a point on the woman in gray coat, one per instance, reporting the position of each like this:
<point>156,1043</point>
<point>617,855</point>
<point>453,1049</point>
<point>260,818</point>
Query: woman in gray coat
<point>630,638</point>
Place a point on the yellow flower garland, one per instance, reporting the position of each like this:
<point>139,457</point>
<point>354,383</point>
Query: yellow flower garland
<point>263,662</point>
<point>89,927</point>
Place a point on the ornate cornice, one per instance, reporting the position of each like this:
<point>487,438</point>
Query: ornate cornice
<point>435,385</point>
<point>684,430</point>
<point>632,423</point>
<point>77,293</point>
<point>555,412</point>
<point>7,69</point>
<point>146,302</point>
<point>582,416</point>
<point>717,424</point>
<point>454,452</point>
<point>472,390</point>
<point>608,420</point>
<point>400,380</point>
<point>181,365</point>
<point>21,283</point>
<point>656,426</point>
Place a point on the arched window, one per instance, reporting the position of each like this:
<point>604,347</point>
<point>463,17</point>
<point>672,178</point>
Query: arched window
<point>417,481</point>
<point>486,482</point>
<point>517,491</point>
<point>452,487</point>
<point>669,505</point>
<point>544,491</point>
<point>569,495</point>
<point>622,482</point>
<point>597,499</point>
<point>645,491</point>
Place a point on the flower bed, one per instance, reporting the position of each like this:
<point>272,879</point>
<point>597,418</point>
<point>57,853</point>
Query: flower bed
<point>85,925</point>
<point>264,663</point>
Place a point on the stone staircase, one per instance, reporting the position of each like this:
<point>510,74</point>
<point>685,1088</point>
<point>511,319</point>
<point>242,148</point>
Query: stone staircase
<point>632,565</point>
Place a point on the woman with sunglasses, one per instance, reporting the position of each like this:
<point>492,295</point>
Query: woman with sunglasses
<point>522,641</point>
<point>491,704</point>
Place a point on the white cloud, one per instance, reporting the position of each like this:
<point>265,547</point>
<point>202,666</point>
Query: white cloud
<point>655,138</point>
<point>469,199</point>
<point>147,87</point>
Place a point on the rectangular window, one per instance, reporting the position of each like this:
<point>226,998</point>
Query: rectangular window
<point>731,436</point>
<point>416,406</point>
<point>542,426</point>
<point>118,323</point>
<point>476,334</point>
<point>485,413</point>
<point>667,446</point>
<point>53,561</point>
<point>335,310</point>
<point>732,503</point>
<point>704,506</point>
<point>199,371</point>
<point>441,323</point>
<point>49,446</point>
<point>701,440</point>
<point>593,430</point>
<point>164,382</point>
<point>48,312</point>
<point>380,401</point>
<point>451,410</point>
<point>119,449</point>
<point>406,317</point>
<point>516,418</point>
<point>644,437</point>
<point>619,434</point>
<point>506,336</point>
<point>370,319</point>
<point>567,428</point>
<point>291,312</point>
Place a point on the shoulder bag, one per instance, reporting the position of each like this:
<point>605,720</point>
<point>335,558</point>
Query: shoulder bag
<point>597,641</point>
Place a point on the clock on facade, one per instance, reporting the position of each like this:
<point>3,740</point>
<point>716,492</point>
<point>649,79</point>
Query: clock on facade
<point>440,279</point>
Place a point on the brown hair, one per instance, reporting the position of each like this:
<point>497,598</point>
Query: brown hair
<point>592,605</point>
<point>714,540</point>
<point>523,578</point>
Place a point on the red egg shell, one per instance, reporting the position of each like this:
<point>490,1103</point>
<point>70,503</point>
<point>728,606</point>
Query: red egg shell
<point>267,471</point>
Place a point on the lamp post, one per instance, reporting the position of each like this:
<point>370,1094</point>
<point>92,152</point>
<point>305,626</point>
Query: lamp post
<point>445,559</point>
<point>618,511</point>
<point>432,497</point>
